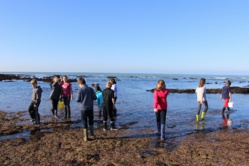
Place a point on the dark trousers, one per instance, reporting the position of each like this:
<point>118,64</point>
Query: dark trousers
<point>161,116</point>
<point>33,111</point>
<point>107,112</point>
<point>87,116</point>
<point>66,100</point>
<point>54,105</point>
<point>199,107</point>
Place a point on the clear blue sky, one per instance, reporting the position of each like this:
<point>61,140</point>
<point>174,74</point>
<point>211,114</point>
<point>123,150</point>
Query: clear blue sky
<point>147,36</point>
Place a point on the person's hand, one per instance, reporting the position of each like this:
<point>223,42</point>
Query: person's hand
<point>34,105</point>
<point>155,110</point>
<point>71,97</point>
<point>201,101</point>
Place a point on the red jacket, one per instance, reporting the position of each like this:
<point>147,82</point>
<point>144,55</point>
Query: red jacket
<point>160,99</point>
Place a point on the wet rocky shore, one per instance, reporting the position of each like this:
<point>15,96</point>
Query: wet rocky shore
<point>58,143</point>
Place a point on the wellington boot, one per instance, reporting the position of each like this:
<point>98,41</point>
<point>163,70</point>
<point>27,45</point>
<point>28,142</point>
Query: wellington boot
<point>85,134</point>
<point>197,118</point>
<point>203,115</point>
<point>105,126</point>
<point>92,131</point>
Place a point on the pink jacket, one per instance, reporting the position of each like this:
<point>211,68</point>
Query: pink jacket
<point>160,99</point>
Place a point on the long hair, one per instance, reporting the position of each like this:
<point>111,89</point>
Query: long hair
<point>160,85</point>
<point>202,82</point>
<point>97,88</point>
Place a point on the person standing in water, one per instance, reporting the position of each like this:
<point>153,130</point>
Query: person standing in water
<point>85,97</point>
<point>115,89</point>
<point>55,96</point>
<point>67,95</point>
<point>36,100</point>
<point>160,107</point>
<point>201,99</point>
<point>108,106</point>
<point>99,100</point>
<point>226,94</point>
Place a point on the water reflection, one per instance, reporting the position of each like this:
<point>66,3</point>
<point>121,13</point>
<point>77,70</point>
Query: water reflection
<point>226,121</point>
<point>200,126</point>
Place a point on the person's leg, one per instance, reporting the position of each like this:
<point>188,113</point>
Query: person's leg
<point>225,105</point>
<point>31,111</point>
<point>111,117</point>
<point>55,103</point>
<point>65,106</point>
<point>205,110</point>
<point>85,127</point>
<point>158,121</point>
<point>37,115</point>
<point>198,112</point>
<point>105,115</point>
<point>163,122</point>
<point>115,110</point>
<point>100,110</point>
<point>91,117</point>
<point>69,108</point>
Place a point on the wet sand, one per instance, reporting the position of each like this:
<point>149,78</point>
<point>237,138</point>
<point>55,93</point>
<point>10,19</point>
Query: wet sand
<point>53,143</point>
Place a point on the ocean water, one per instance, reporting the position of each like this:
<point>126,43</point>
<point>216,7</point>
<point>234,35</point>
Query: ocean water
<point>134,104</point>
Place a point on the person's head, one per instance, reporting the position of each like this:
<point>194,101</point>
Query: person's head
<point>56,79</point>
<point>33,83</point>
<point>228,83</point>
<point>161,85</point>
<point>97,88</point>
<point>202,82</point>
<point>108,84</point>
<point>81,81</point>
<point>112,80</point>
<point>64,79</point>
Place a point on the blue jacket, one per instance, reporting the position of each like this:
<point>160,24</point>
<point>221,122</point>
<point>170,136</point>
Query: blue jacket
<point>85,97</point>
<point>99,96</point>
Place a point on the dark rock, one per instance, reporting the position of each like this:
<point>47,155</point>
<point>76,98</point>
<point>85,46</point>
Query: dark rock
<point>175,79</point>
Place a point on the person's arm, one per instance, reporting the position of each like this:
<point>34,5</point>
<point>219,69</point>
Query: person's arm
<point>230,96</point>
<point>71,91</point>
<point>98,99</point>
<point>93,95</point>
<point>155,101</point>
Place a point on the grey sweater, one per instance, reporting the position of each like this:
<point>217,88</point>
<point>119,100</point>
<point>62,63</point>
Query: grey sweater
<point>36,95</point>
<point>85,97</point>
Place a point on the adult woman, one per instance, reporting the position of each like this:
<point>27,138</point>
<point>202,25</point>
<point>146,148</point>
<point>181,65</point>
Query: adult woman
<point>160,107</point>
<point>67,95</point>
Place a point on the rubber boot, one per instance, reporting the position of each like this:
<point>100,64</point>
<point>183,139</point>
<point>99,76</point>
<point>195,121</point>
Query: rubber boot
<point>203,115</point>
<point>99,113</point>
<point>162,132</point>
<point>113,126</point>
<point>92,131</point>
<point>158,129</point>
<point>197,118</point>
<point>66,113</point>
<point>85,134</point>
<point>55,115</point>
<point>52,111</point>
<point>105,125</point>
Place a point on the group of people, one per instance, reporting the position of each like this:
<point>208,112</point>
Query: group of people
<point>106,100</point>
<point>160,103</point>
<point>61,90</point>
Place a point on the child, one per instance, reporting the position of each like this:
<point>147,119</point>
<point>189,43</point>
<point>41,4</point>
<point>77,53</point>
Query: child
<point>67,95</point>
<point>85,97</point>
<point>108,106</point>
<point>160,107</point>
<point>115,89</point>
<point>201,99</point>
<point>36,100</point>
<point>55,96</point>
<point>99,100</point>
<point>226,95</point>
